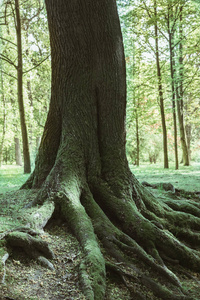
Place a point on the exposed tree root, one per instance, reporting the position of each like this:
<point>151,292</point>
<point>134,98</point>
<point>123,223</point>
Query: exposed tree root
<point>189,207</point>
<point>34,247</point>
<point>93,267</point>
<point>169,187</point>
<point>143,280</point>
<point>137,237</point>
<point>3,267</point>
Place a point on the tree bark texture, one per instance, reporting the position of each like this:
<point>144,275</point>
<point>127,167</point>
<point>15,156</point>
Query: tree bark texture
<point>81,164</point>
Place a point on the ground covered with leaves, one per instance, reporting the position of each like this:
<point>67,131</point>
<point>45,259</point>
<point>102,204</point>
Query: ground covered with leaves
<point>23,278</point>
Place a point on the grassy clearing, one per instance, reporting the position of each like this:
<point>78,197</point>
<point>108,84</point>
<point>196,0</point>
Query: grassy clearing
<point>11,198</point>
<point>11,178</point>
<point>187,178</point>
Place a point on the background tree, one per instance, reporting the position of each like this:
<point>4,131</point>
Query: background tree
<point>3,117</point>
<point>138,26</point>
<point>26,154</point>
<point>36,62</point>
<point>160,89</point>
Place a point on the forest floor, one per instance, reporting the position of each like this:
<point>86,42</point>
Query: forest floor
<point>23,278</point>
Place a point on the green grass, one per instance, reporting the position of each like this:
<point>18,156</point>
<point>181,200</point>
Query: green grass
<point>11,178</point>
<point>187,178</point>
<point>146,168</point>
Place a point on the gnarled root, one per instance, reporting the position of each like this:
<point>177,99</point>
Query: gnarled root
<point>3,268</point>
<point>34,247</point>
<point>92,268</point>
<point>27,237</point>
<point>137,236</point>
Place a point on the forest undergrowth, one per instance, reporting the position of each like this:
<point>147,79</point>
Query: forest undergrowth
<point>22,278</point>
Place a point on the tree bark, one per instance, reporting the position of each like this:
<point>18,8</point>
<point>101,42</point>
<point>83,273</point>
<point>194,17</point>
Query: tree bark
<point>3,121</point>
<point>18,157</point>
<point>38,141</point>
<point>172,67</point>
<point>184,146</point>
<point>137,138</point>
<point>188,132</point>
<point>160,91</point>
<point>179,92</point>
<point>81,166</point>
<point>30,98</point>
<point>26,154</point>
<point>3,109</point>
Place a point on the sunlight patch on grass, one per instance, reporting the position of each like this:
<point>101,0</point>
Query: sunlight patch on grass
<point>158,168</point>
<point>11,178</point>
<point>187,178</point>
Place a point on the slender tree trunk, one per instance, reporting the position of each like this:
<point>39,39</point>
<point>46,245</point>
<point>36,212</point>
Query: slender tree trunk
<point>18,157</point>
<point>3,109</point>
<point>3,120</point>
<point>30,98</point>
<point>38,141</point>
<point>188,131</point>
<point>137,138</point>
<point>26,154</point>
<point>6,156</point>
<point>135,102</point>
<point>179,93</point>
<point>160,91</point>
<point>172,62</point>
<point>182,131</point>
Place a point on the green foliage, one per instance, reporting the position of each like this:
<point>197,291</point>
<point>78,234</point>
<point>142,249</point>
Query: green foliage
<point>138,20</point>
<point>36,77</point>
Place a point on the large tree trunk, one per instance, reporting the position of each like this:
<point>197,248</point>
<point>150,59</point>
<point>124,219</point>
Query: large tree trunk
<point>81,165</point>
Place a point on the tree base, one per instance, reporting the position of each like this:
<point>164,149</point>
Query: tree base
<point>140,256</point>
